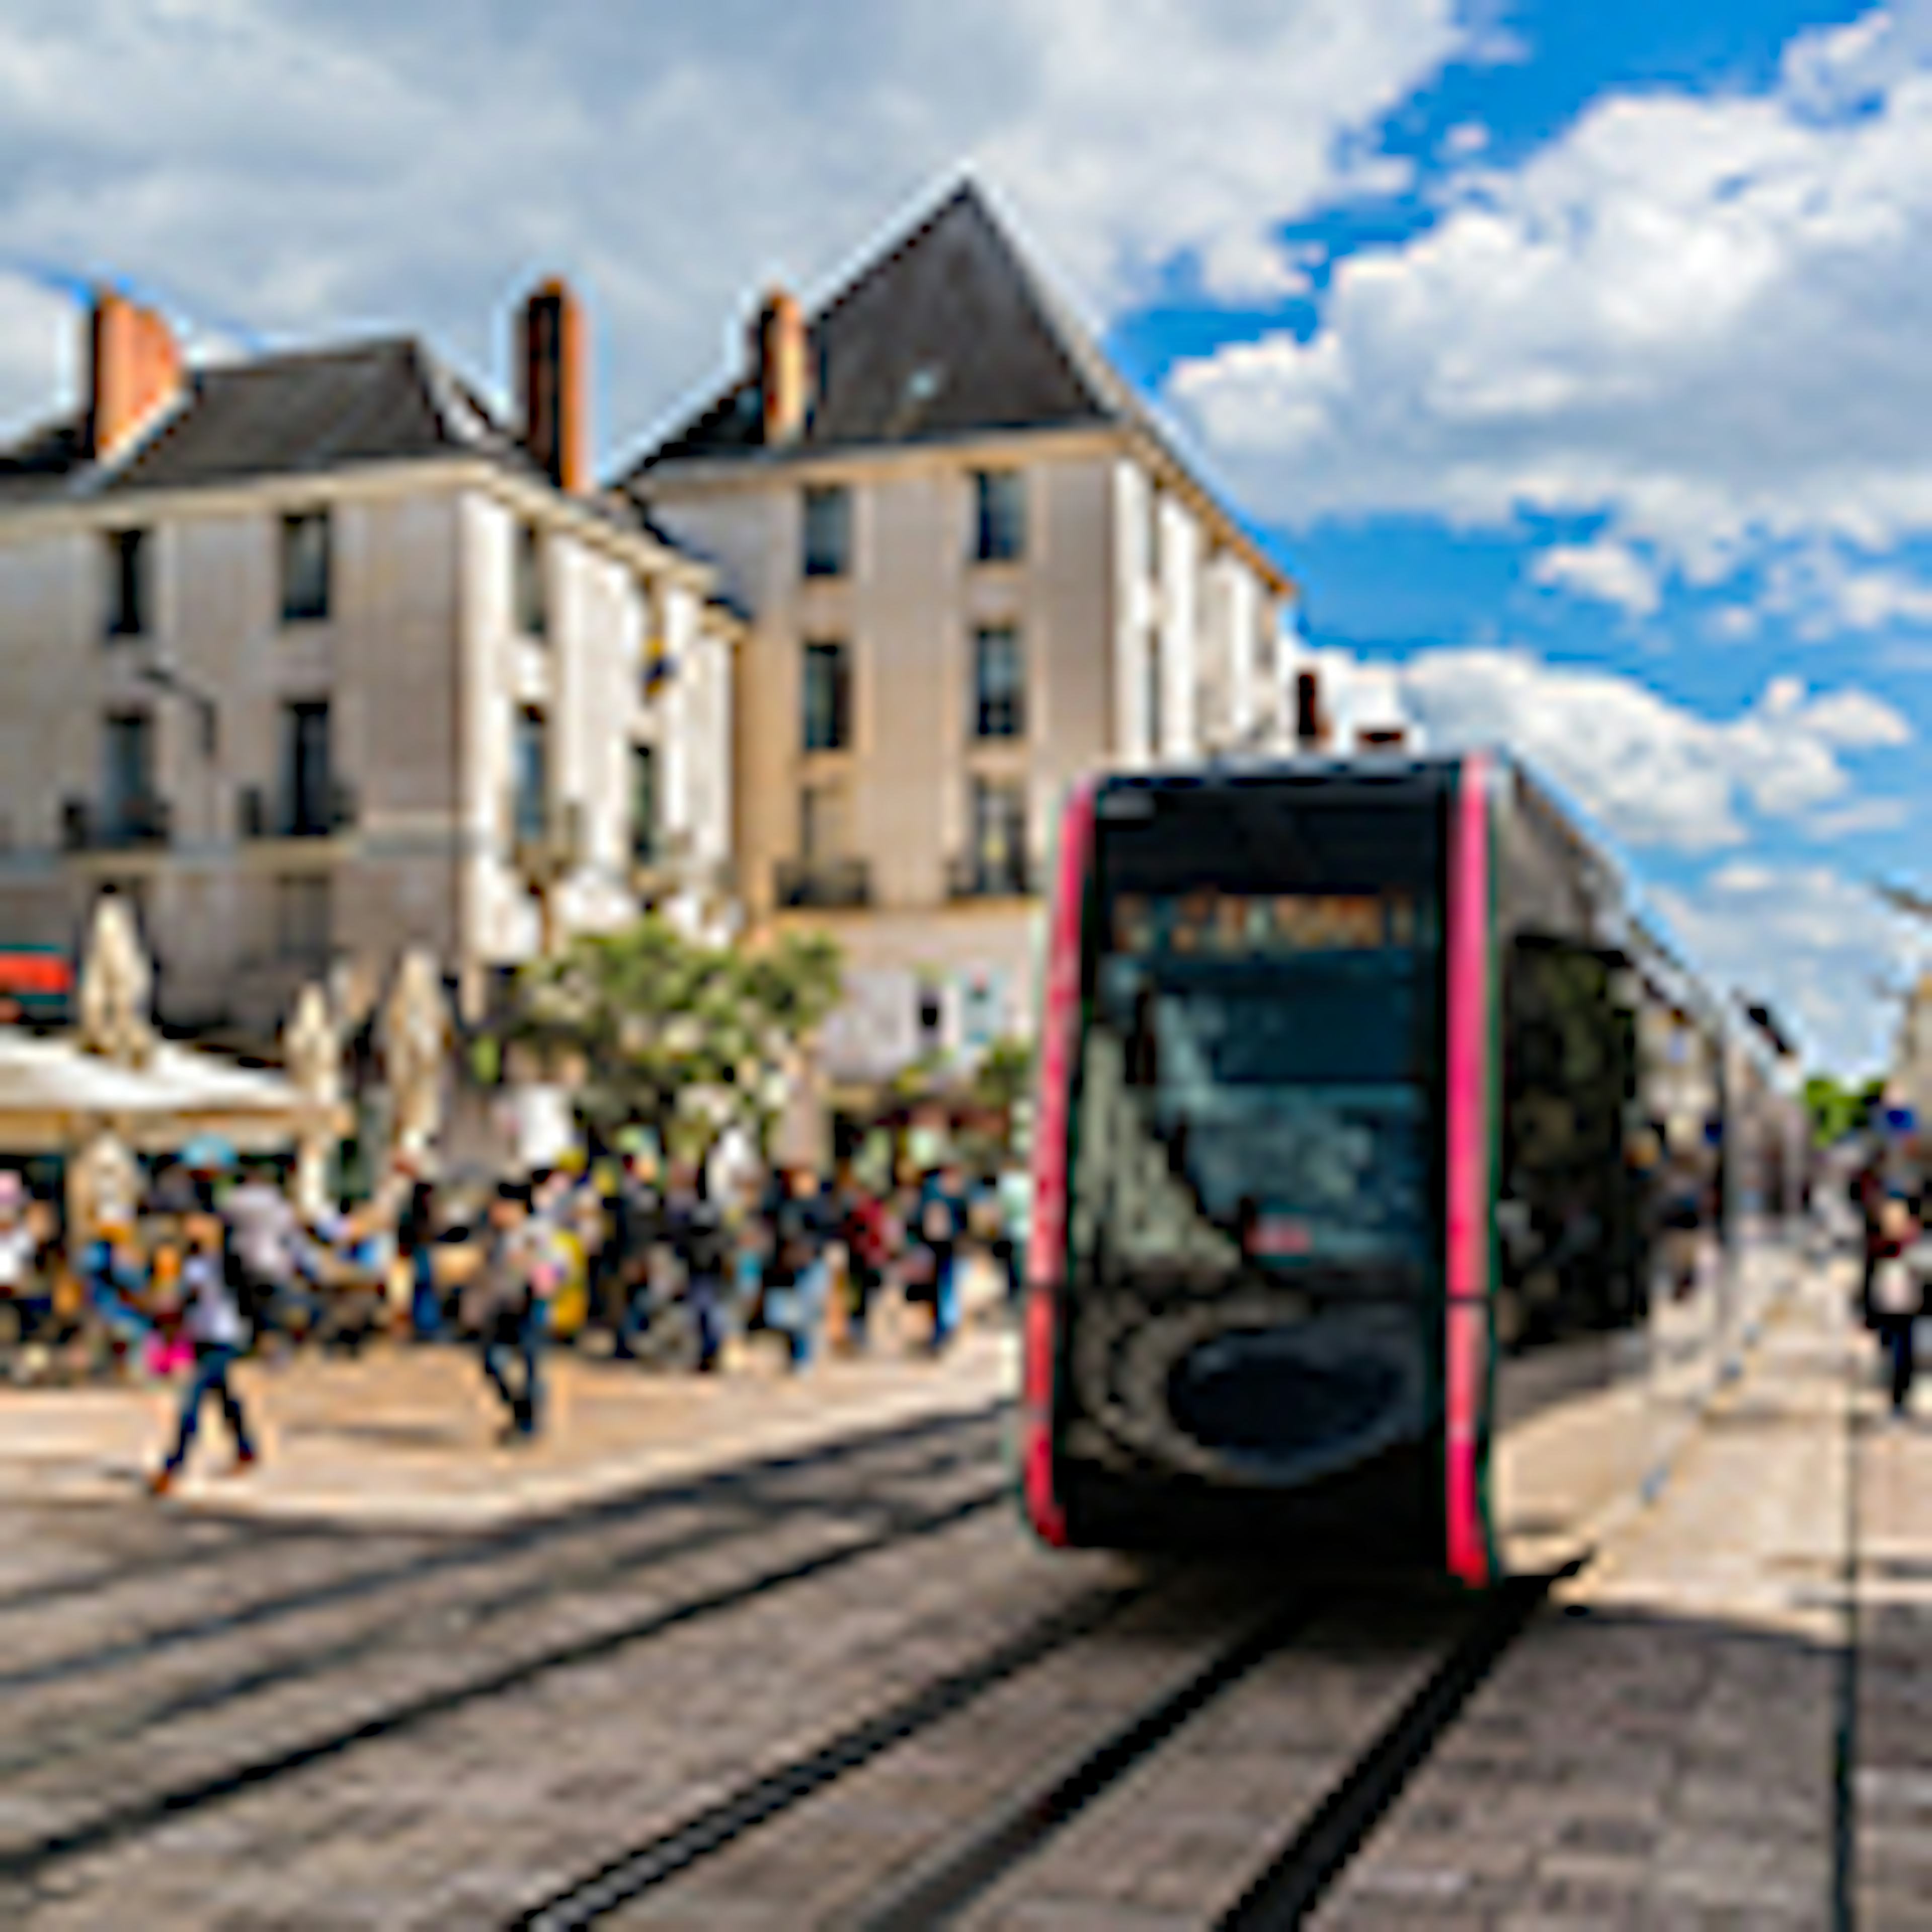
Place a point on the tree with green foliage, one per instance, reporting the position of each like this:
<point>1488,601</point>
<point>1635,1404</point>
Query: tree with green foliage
<point>1837,1109</point>
<point>1004,1076</point>
<point>683,1038</point>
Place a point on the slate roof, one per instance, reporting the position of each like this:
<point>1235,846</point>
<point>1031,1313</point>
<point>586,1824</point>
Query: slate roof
<point>40,463</point>
<point>388,399</point>
<point>950,331</point>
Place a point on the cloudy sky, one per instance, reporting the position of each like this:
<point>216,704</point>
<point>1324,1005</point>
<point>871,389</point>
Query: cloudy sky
<point>1574,358</point>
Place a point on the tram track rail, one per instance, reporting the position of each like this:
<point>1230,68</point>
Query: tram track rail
<point>29,1859</point>
<point>740,1487</point>
<point>943,1885</point>
<point>1293,1882</point>
<point>233,1537</point>
<point>65,1735</point>
<point>668,1853</point>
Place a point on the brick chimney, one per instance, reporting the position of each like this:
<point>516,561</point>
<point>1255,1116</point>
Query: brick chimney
<point>555,401</point>
<point>1311,724</point>
<point>779,349</point>
<point>136,370</point>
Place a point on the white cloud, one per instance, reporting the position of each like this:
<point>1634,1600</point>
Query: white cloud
<point>1654,774</point>
<point>298,169</point>
<point>39,346</point>
<point>1818,944</point>
<point>1824,592</point>
<point>1651,771</point>
<point>1863,814</point>
<point>1611,572</point>
<point>1703,318</point>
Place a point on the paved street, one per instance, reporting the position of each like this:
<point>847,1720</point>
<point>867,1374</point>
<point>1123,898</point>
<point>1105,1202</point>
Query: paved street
<point>774,1653</point>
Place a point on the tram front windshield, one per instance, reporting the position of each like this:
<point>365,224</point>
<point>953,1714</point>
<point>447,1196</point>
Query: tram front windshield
<point>1257,1083</point>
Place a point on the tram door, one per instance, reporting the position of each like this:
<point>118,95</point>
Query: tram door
<point>1570,1422</point>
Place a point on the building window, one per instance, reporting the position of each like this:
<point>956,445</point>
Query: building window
<point>999,836</point>
<point>822,826</point>
<point>644,803</point>
<point>127,570</point>
<point>999,683</point>
<point>307,780</point>
<point>828,530</point>
<point>999,516</point>
<point>127,772</point>
<point>530,753</point>
<point>928,1012</point>
<point>305,567</point>
<point>1154,719</point>
<point>828,697</point>
<point>532,593</point>
<point>303,916</point>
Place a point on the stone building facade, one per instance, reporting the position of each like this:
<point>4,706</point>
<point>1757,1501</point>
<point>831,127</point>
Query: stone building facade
<point>977,570</point>
<point>314,658</point>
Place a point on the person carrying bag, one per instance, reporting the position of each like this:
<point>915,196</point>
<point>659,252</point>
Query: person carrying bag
<point>1901,1262</point>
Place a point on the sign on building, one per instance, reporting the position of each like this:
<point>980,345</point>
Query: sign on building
<point>36,985</point>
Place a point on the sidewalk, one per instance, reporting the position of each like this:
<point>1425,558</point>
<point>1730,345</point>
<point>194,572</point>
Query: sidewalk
<point>1660,1748</point>
<point>1893,1731</point>
<point>406,1437</point>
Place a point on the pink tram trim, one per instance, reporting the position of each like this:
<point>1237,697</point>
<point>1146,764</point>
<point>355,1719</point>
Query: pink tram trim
<point>1469,1034</point>
<point>1046,1246</point>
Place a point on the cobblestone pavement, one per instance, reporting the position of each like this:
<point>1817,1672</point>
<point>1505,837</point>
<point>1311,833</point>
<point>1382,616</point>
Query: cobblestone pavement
<point>1893,1730</point>
<point>393,1726</point>
<point>244,1654</point>
<point>1657,1750</point>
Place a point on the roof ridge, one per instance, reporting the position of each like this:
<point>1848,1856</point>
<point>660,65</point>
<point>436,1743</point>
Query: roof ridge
<point>341,350</point>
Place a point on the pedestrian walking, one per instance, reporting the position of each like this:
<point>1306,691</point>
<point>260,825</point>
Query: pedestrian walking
<point>503,1308</point>
<point>111,1280</point>
<point>416,1248</point>
<point>264,1233</point>
<point>22,1286</point>
<point>1898,1294</point>
<point>636,1220</point>
<point>212,1319</point>
<point>1016,1196</point>
<point>796,1275</point>
<point>864,1226</point>
<point>942,1227</point>
<point>695,1231</point>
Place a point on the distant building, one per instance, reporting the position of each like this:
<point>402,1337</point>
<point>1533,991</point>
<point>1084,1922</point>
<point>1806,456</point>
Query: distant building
<point>1912,1072</point>
<point>314,658</point>
<point>976,569</point>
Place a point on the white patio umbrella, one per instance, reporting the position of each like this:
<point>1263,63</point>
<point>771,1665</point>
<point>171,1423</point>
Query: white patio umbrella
<point>53,1095</point>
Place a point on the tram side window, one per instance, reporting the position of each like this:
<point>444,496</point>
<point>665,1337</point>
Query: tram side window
<point>1569,1210</point>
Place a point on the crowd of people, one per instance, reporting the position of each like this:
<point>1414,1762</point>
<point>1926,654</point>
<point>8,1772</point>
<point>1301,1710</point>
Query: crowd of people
<point>645,1259</point>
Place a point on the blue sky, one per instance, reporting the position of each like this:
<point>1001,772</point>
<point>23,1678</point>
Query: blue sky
<point>1592,619</point>
<point>1572,358</point>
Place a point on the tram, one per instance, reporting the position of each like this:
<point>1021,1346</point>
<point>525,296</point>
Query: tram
<point>1400,1200</point>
